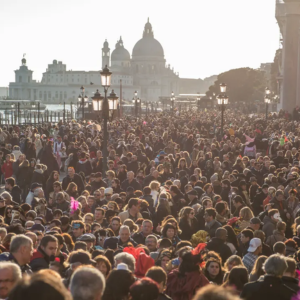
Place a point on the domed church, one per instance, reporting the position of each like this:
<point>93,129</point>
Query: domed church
<point>144,71</point>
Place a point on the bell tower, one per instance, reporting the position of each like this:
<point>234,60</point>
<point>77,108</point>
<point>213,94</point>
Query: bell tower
<point>105,54</point>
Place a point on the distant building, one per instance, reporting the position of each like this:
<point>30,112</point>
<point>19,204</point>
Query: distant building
<point>144,71</point>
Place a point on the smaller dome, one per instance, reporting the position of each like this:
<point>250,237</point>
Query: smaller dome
<point>55,62</point>
<point>105,44</point>
<point>23,61</point>
<point>120,53</point>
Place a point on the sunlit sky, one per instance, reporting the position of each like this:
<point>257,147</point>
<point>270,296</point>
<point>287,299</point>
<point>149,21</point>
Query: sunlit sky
<point>200,37</point>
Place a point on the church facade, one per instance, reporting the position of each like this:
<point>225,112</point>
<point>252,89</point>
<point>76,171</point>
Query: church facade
<point>145,71</point>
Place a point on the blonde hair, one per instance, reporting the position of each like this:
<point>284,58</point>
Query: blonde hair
<point>154,185</point>
<point>246,213</point>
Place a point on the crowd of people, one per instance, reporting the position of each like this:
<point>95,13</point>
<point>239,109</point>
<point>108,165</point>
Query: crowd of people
<point>179,212</point>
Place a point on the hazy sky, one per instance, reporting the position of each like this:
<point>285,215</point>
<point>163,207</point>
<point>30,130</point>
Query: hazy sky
<point>200,37</point>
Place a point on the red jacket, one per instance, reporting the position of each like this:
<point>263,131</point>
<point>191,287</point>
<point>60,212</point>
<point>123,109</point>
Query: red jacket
<point>185,287</point>
<point>7,169</point>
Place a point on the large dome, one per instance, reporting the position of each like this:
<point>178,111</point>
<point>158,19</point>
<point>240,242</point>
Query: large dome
<point>120,53</point>
<point>148,45</point>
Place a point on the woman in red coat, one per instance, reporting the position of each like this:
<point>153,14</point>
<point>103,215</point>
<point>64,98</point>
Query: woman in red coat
<point>183,283</point>
<point>7,167</point>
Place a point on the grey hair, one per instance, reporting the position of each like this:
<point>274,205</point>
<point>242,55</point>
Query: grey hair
<point>2,229</point>
<point>124,227</point>
<point>17,274</point>
<point>18,241</point>
<point>127,259</point>
<point>6,195</point>
<point>37,191</point>
<point>275,265</point>
<point>87,283</point>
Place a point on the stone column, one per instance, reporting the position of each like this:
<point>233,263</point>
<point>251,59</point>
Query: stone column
<point>290,54</point>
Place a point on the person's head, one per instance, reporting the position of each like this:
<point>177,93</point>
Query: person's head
<point>169,231</point>
<point>232,261</point>
<point>275,265</point>
<point>210,214</point>
<point>281,226</point>
<point>118,284</point>
<point>130,175</point>
<point>124,233</point>
<point>10,274</point>
<point>213,267</point>
<point>214,292</point>
<point>246,214</point>
<point>127,259</point>
<point>144,289</point>
<point>255,246</point>
<point>279,248</point>
<point>21,247</point>
<point>49,245</point>
<point>10,183</point>
<point>238,277</point>
<point>255,223</point>
<point>147,227</point>
<point>159,275</point>
<point>45,284</point>
<point>221,233</point>
<point>246,235</point>
<point>71,172</point>
<point>78,228</point>
<point>274,215</point>
<point>134,204</point>
<point>99,214</point>
<point>238,201</point>
<point>103,265</point>
<point>258,266</point>
<point>291,269</point>
<point>151,242</point>
<point>87,283</point>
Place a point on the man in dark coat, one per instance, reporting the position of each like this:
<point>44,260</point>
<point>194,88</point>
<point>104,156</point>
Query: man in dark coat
<point>73,177</point>
<point>271,285</point>
<point>44,254</point>
<point>218,245</point>
<point>130,182</point>
<point>13,189</point>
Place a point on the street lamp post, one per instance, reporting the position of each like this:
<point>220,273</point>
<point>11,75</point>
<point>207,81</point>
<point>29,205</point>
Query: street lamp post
<point>82,98</point>
<point>222,102</point>
<point>267,100</point>
<point>198,101</point>
<point>105,105</point>
<point>172,102</point>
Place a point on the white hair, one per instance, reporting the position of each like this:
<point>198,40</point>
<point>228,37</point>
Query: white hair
<point>87,284</point>
<point>275,265</point>
<point>127,259</point>
<point>17,274</point>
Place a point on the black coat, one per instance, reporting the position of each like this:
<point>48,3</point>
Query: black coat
<point>125,184</point>
<point>187,230</point>
<point>217,245</point>
<point>267,287</point>
<point>23,180</point>
<point>37,177</point>
<point>76,179</point>
<point>84,166</point>
<point>39,260</point>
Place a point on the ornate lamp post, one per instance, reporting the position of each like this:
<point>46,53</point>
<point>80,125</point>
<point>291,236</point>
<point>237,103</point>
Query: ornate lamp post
<point>267,100</point>
<point>172,102</point>
<point>82,98</point>
<point>222,102</point>
<point>198,101</point>
<point>107,106</point>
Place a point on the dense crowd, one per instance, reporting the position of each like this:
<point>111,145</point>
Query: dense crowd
<point>179,212</point>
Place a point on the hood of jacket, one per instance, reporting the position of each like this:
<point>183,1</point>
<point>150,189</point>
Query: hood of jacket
<point>40,171</point>
<point>278,236</point>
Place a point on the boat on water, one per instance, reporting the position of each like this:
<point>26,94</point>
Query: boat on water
<point>24,104</point>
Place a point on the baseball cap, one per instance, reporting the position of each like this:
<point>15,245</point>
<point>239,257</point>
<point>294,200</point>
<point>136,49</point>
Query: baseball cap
<point>264,186</point>
<point>254,244</point>
<point>256,221</point>
<point>192,192</point>
<point>35,185</point>
<point>87,237</point>
<point>98,175</point>
<point>81,257</point>
<point>38,227</point>
<point>111,243</point>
